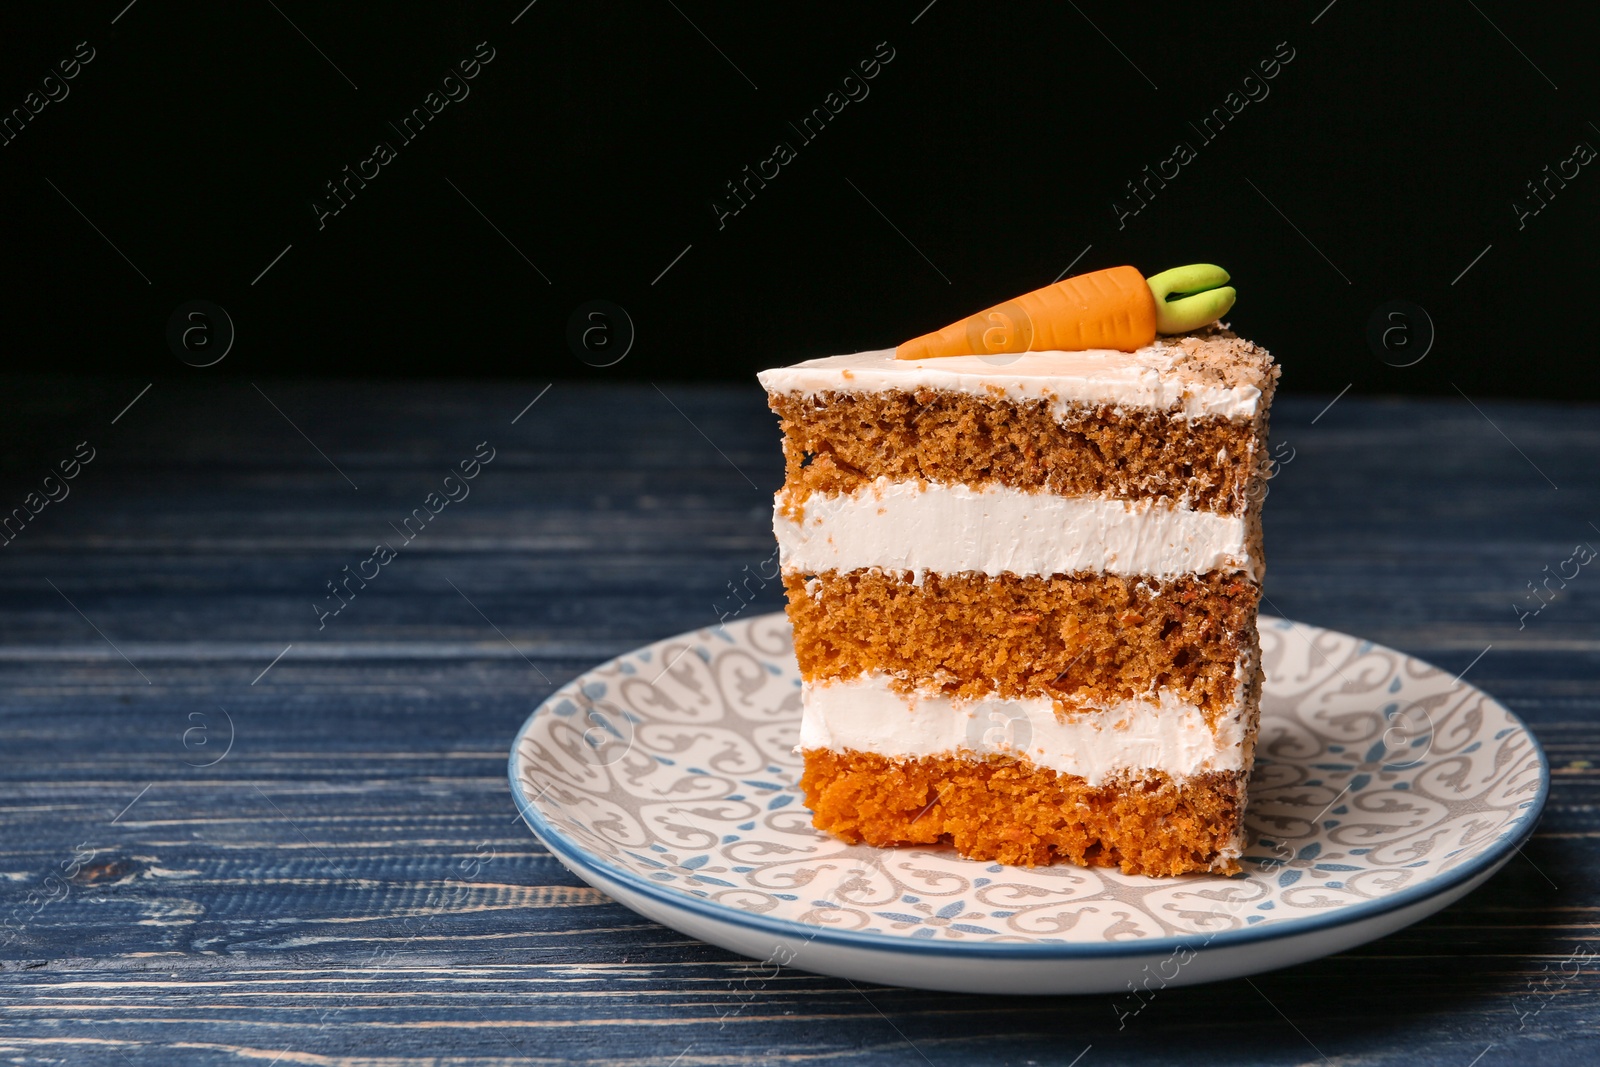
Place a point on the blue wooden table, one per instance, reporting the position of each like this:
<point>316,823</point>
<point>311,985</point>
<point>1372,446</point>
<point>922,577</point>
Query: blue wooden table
<point>237,826</point>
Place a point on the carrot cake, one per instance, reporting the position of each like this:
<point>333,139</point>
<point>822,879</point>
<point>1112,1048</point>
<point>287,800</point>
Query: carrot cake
<point>1023,586</point>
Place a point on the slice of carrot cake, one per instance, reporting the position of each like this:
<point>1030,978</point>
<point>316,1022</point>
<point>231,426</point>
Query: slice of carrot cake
<point>1023,586</point>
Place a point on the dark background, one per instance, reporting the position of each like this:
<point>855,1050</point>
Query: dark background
<point>985,160</point>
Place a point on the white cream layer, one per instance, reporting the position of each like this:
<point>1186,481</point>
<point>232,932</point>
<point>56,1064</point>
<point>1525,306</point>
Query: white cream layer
<point>954,528</point>
<point>1142,379</point>
<point>1160,734</point>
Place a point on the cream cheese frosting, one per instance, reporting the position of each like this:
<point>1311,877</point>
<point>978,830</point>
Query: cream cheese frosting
<point>1158,733</point>
<point>993,529</point>
<point>1142,379</point>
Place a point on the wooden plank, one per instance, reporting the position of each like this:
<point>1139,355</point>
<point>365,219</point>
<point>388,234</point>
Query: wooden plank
<point>350,885</point>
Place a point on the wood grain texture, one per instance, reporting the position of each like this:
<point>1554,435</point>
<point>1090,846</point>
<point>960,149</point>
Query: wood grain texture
<point>349,884</point>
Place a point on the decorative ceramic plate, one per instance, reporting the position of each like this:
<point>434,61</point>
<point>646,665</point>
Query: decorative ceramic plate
<point>1383,791</point>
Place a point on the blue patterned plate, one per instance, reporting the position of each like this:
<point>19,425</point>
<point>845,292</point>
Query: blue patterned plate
<point>1383,791</point>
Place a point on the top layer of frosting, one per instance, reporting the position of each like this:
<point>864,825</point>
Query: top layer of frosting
<point>1211,373</point>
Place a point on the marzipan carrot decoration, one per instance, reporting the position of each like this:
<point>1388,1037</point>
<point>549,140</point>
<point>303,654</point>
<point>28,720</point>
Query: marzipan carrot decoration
<point>1114,308</point>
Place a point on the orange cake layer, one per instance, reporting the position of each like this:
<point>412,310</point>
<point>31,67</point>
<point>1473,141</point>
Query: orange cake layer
<point>837,442</point>
<point>1009,811</point>
<point>1085,640</point>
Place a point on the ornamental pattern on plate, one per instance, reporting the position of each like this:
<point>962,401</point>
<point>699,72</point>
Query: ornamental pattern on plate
<point>1374,772</point>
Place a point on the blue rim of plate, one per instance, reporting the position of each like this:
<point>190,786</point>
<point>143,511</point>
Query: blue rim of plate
<point>574,854</point>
